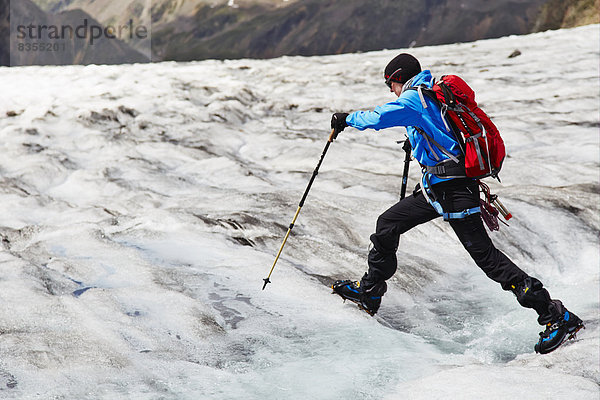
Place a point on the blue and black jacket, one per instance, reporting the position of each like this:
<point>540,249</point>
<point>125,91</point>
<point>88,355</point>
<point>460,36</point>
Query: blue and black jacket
<point>409,111</point>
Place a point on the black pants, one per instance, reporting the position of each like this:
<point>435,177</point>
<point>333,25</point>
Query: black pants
<point>454,196</point>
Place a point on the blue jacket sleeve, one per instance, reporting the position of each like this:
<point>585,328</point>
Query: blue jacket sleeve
<point>401,112</point>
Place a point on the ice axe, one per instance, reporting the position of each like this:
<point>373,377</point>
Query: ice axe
<point>332,137</point>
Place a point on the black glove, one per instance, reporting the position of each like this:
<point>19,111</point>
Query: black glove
<point>338,122</point>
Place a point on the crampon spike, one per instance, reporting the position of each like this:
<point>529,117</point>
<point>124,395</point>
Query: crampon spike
<point>573,335</point>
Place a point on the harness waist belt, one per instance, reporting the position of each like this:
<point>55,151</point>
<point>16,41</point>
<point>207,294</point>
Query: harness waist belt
<point>447,169</point>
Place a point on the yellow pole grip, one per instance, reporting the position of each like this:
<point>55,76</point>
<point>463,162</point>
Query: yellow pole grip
<point>332,135</point>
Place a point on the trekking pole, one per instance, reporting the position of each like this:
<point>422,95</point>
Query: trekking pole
<point>332,136</point>
<point>406,148</point>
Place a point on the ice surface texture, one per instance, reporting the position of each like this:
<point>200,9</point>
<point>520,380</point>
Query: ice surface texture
<point>143,205</point>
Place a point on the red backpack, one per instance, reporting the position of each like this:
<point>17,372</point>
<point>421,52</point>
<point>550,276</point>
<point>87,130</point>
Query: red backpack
<point>479,139</point>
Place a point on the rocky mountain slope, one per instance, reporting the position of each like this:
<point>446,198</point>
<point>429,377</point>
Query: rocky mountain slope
<point>199,29</point>
<point>64,50</point>
<point>317,27</point>
<point>567,14</point>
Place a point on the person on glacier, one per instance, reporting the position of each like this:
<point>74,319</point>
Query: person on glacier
<point>458,196</point>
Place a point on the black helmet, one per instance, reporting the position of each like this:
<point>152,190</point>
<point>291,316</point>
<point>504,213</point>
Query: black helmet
<point>403,67</point>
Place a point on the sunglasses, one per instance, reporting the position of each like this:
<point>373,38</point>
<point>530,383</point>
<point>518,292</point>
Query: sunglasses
<point>388,81</point>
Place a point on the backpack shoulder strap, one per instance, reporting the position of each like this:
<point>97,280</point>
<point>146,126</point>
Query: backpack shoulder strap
<point>423,91</point>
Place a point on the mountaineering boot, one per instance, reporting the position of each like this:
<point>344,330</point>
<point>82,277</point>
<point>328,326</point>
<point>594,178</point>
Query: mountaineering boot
<point>561,325</point>
<point>368,299</point>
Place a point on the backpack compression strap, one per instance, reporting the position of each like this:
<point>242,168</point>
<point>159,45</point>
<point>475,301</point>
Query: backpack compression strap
<point>452,167</point>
